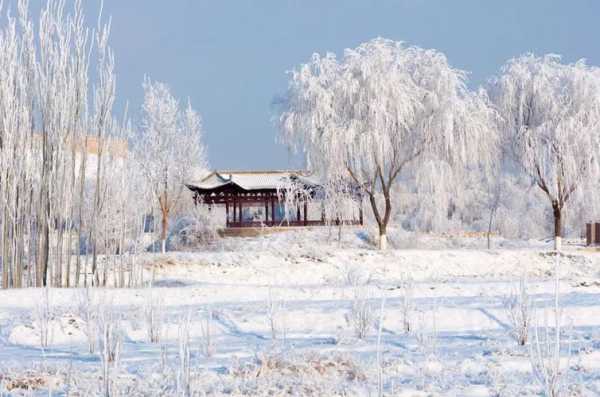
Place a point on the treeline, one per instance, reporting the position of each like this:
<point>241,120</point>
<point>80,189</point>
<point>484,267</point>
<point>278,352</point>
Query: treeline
<point>75,191</point>
<point>429,152</point>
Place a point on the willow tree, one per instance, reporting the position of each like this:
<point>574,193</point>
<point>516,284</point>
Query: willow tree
<point>550,119</point>
<point>382,107</point>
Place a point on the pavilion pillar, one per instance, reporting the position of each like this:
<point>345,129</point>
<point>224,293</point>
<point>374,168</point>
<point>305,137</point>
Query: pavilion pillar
<point>234,210</point>
<point>226,213</point>
<point>266,211</point>
<point>273,209</point>
<point>298,219</point>
<point>305,213</point>
<point>241,215</point>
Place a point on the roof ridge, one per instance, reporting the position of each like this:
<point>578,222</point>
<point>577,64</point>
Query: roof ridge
<point>259,171</point>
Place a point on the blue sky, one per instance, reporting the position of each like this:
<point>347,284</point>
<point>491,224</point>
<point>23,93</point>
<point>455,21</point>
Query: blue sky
<point>230,56</point>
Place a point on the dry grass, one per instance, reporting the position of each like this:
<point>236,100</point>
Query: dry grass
<point>311,365</point>
<point>29,381</point>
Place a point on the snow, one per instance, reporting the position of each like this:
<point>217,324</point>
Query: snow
<point>252,180</point>
<point>304,283</point>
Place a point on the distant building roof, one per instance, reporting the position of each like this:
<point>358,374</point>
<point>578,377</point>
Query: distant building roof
<point>253,180</point>
<point>116,147</point>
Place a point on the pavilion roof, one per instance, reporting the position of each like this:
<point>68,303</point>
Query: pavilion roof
<point>253,180</point>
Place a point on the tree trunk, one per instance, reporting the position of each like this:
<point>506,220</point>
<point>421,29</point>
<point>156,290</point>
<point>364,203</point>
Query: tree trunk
<point>382,237</point>
<point>165,227</point>
<point>382,222</point>
<point>4,252</point>
<point>557,211</point>
<point>489,231</point>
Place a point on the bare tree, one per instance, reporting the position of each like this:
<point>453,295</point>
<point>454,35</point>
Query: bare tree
<point>550,118</point>
<point>63,158</point>
<point>381,107</point>
<point>169,148</point>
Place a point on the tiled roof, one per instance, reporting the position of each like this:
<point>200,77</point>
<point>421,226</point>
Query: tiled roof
<point>252,180</point>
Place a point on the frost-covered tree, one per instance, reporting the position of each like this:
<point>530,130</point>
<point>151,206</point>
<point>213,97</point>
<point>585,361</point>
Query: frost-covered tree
<point>65,168</point>
<point>550,120</point>
<point>380,108</point>
<point>169,148</point>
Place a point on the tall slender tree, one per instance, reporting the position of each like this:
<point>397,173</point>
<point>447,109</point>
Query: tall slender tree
<point>169,148</point>
<point>47,128</point>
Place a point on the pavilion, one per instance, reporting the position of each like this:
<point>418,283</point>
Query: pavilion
<point>256,198</point>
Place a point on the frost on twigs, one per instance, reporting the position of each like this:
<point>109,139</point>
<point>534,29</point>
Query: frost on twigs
<point>407,303</point>
<point>362,315</point>
<point>426,336</point>
<point>88,310</point>
<point>208,346</point>
<point>198,229</point>
<point>110,342</point>
<point>276,316</point>
<point>44,314</point>
<point>184,356</point>
<point>153,309</point>
<point>549,360</point>
<point>169,150</point>
<point>519,309</point>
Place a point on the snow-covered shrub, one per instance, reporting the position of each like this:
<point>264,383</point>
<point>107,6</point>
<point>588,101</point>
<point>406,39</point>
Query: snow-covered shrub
<point>379,353</point>
<point>153,316</point>
<point>110,340</point>
<point>164,357</point>
<point>184,370</point>
<point>426,333</point>
<point>275,310</point>
<point>519,310</point>
<point>362,314</point>
<point>43,316</point>
<point>545,348</point>
<point>355,275</point>
<point>206,327</point>
<point>199,227</point>
<point>545,356</point>
<point>407,307</point>
<point>88,312</point>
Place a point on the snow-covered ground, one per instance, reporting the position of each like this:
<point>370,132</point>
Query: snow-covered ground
<point>278,315</point>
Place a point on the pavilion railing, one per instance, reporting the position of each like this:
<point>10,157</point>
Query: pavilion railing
<point>291,223</point>
<point>592,233</point>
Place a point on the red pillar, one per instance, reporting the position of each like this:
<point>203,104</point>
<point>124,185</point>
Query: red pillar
<point>266,212</point>
<point>305,213</point>
<point>273,210</point>
<point>226,213</point>
<point>234,210</point>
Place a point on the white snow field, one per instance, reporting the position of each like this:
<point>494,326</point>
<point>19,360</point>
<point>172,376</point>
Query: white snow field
<point>298,313</point>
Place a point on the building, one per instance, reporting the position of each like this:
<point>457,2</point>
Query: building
<point>257,198</point>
